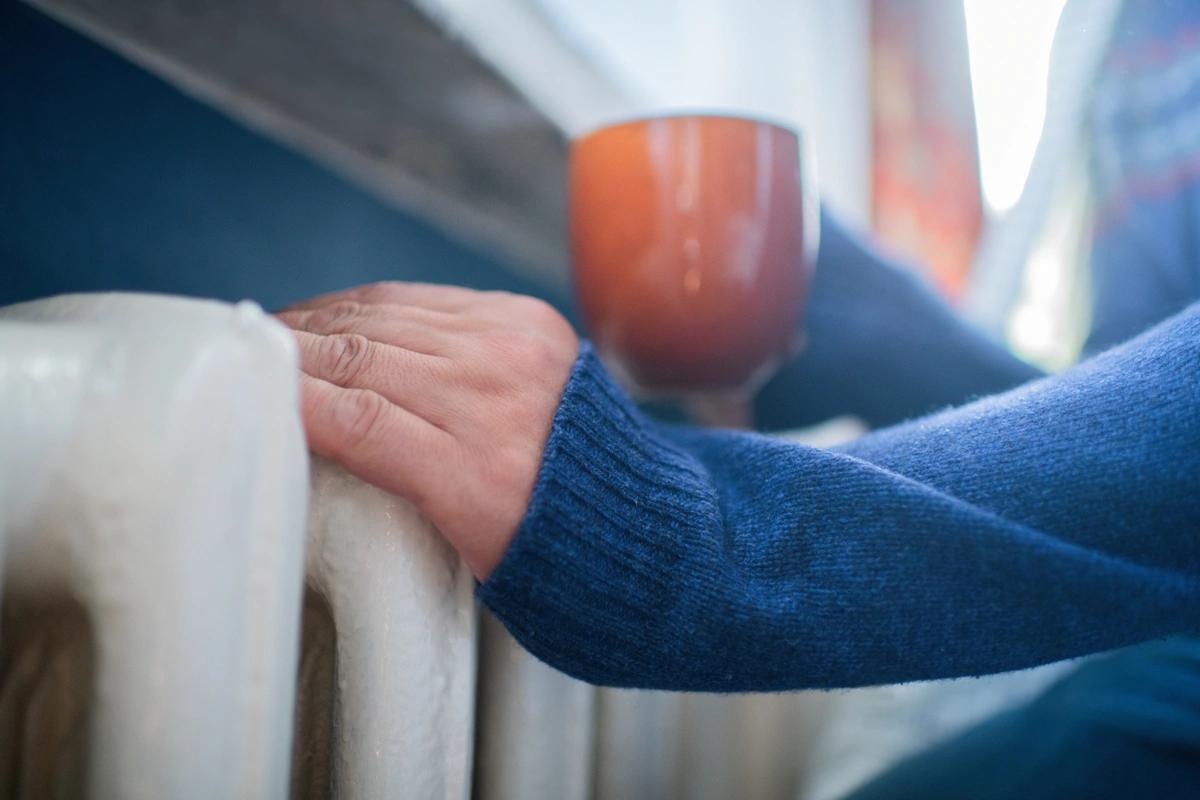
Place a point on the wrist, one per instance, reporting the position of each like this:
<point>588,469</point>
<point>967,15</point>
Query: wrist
<point>610,506</point>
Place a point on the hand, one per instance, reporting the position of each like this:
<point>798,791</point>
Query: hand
<point>439,394</point>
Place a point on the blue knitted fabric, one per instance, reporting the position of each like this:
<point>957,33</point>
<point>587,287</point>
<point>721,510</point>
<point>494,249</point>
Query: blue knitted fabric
<point>1057,519</point>
<point>881,345</point>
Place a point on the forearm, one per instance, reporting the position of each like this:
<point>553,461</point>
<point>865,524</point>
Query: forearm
<point>674,558</point>
<point>881,346</point>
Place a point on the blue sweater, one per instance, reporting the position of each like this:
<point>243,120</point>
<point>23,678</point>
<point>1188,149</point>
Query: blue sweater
<point>1056,517</point>
<point>881,345</point>
<point>1054,520</point>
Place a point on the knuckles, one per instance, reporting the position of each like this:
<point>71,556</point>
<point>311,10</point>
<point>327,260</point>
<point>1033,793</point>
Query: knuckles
<point>338,317</point>
<point>542,344</point>
<point>540,315</point>
<point>345,357</point>
<point>359,415</point>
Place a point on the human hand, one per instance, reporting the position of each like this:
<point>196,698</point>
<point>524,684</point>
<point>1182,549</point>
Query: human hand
<point>440,394</point>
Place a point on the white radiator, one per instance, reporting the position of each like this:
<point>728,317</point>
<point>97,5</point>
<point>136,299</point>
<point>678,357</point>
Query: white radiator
<point>192,610</point>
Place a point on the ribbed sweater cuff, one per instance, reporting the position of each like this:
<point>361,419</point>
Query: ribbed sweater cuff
<point>608,521</point>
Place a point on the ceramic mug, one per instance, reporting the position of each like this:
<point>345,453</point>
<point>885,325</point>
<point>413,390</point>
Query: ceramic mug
<point>693,241</point>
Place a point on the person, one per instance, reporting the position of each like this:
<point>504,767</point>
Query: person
<point>1051,517</point>
<point>1048,521</point>
<point>934,548</point>
<point>1055,516</point>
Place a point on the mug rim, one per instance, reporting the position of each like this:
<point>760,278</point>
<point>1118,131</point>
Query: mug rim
<point>677,114</point>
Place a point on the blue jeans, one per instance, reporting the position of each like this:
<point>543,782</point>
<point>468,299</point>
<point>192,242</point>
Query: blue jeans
<point>1123,726</point>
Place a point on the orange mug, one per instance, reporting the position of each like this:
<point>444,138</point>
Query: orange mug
<point>693,241</point>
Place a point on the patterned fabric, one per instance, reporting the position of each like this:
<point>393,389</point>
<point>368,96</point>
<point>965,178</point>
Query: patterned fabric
<point>1144,130</point>
<point>1145,119</point>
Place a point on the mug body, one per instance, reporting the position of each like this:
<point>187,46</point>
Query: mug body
<point>693,240</point>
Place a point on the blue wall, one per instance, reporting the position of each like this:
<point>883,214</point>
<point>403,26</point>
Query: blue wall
<point>112,179</point>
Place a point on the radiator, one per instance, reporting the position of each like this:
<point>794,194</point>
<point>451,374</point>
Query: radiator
<point>192,608</point>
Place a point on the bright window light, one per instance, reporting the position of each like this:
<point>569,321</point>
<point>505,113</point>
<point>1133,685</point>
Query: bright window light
<point>1009,42</point>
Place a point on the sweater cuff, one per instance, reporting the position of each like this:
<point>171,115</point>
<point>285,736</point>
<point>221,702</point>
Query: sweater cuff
<point>583,585</point>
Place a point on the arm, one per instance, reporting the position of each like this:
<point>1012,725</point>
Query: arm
<point>1058,519</point>
<point>881,346</point>
<point>1051,521</point>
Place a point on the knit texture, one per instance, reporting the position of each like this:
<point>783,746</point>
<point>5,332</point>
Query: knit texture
<point>1057,519</point>
<point>881,345</point>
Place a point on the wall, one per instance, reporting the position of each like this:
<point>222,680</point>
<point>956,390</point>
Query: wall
<point>111,179</point>
<point>802,61</point>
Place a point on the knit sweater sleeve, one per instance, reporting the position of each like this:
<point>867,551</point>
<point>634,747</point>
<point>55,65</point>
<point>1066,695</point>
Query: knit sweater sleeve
<point>1058,519</point>
<point>880,345</point>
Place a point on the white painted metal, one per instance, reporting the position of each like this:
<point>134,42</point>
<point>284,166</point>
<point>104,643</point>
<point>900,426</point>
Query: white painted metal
<point>535,727</point>
<point>746,746</point>
<point>659,744</point>
<point>636,749</point>
<point>154,474</point>
<point>403,615</point>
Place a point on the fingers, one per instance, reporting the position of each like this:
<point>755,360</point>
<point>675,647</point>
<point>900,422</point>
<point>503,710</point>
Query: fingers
<point>414,329</point>
<point>421,330</point>
<point>428,295</point>
<point>354,361</point>
<point>376,440</point>
<point>440,394</point>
